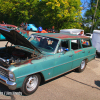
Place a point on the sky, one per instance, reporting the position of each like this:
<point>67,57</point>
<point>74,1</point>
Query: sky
<point>84,3</point>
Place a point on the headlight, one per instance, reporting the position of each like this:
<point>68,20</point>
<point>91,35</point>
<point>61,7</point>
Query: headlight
<point>11,76</point>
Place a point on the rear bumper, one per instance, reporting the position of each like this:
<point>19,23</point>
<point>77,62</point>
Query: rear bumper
<point>11,85</point>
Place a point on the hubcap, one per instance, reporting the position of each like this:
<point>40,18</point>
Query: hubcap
<point>32,83</point>
<point>83,64</point>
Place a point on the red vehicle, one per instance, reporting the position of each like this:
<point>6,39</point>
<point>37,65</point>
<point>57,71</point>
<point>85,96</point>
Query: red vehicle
<point>22,32</point>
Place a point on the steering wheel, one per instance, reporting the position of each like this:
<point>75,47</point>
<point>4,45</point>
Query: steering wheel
<point>49,47</point>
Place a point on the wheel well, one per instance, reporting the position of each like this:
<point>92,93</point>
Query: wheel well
<point>86,60</point>
<point>42,77</point>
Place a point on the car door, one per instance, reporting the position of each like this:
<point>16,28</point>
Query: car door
<point>63,59</point>
<point>78,52</point>
<point>88,49</point>
<point>47,64</point>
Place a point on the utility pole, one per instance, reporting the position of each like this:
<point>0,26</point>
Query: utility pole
<point>94,16</point>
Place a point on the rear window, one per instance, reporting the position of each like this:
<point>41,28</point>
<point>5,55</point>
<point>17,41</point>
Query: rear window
<point>86,43</point>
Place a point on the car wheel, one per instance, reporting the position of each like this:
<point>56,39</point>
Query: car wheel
<point>82,66</point>
<point>30,84</point>
<point>97,54</point>
<point>30,29</point>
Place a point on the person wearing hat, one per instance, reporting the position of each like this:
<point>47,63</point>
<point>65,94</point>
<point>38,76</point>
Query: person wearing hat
<point>40,30</point>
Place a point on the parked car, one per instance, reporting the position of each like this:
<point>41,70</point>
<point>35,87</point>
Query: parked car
<point>88,35</point>
<point>96,41</point>
<point>31,27</point>
<point>41,57</point>
<point>72,31</point>
<point>22,32</point>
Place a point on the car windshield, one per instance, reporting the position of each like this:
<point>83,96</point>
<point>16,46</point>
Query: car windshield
<point>43,43</point>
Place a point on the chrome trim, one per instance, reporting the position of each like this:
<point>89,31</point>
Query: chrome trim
<point>4,68</point>
<point>10,77</point>
<point>54,66</point>
<point>9,84</point>
<point>4,71</point>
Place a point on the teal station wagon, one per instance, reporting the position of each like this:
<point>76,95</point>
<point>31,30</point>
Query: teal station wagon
<point>41,57</point>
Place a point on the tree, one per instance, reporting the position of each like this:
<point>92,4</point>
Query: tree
<point>60,13</point>
<point>45,13</point>
<point>17,10</point>
<point>90,13</point>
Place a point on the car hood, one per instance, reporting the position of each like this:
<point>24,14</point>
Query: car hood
<point>15,38</point>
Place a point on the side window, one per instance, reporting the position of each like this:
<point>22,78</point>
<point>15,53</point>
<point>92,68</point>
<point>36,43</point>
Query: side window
<point>75,44</point>
<point>86,43</point>
<point>64,46</point>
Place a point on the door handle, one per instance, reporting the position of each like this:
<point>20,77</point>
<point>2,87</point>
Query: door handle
<point>70,55</point>
<point>83,52</point>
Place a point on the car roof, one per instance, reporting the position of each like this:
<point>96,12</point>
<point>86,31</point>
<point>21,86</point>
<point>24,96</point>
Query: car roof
<point>62,35</point>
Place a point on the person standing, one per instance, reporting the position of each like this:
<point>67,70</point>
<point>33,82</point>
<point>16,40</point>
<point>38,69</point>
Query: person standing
<point>81,33</point>
<point>3,22</point>
<point>40,30</point>
<point>25,26</point>
<point>22,25</point>
<point>51,30</point>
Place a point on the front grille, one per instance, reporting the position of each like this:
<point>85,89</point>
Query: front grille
<point>3,72</point>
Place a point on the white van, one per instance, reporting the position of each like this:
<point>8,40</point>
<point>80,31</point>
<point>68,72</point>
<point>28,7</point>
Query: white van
<point>72,31</point>
<point>96,40</point>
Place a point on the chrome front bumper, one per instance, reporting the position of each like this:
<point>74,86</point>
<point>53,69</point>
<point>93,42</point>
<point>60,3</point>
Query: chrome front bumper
<point>9,84</point>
